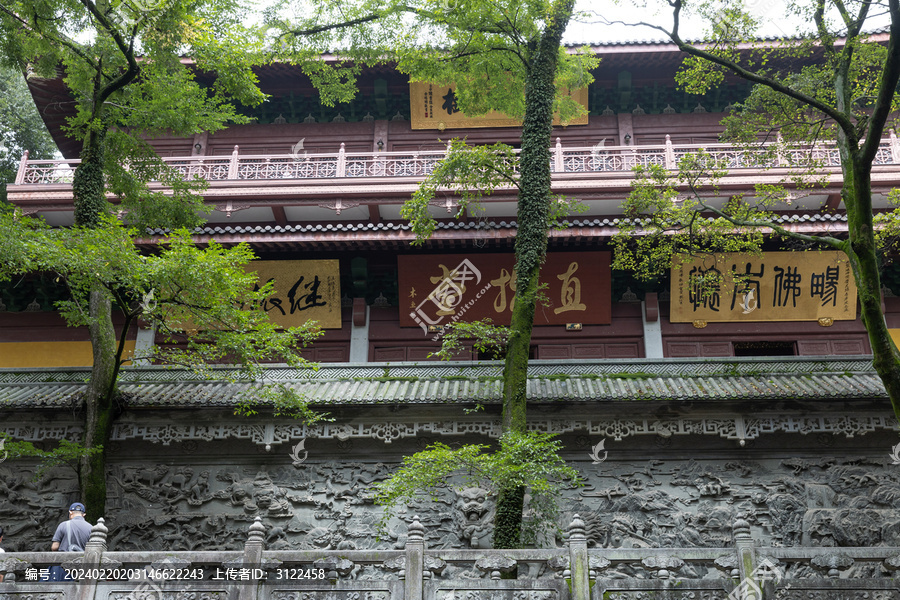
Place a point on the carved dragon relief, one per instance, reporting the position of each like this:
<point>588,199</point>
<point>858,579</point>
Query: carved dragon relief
<point>823,501</point>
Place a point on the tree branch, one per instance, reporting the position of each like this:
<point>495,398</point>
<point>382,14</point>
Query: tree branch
<point>127,51</point>
<point>747,74</point>
<point>333,26</point>
<point>765,224</point>
<point>61,39</point>
<point>890,75</point>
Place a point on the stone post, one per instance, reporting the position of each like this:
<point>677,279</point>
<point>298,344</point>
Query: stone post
<point>578,560</point>
<point>895,147</point>
<point>341,162</point>
<point>670,154</point>
<point>558,166</point>
<point>743,543</point>
<point>414,588</point>
<point>781,160</point>
<point>233,165</point>
<point>23,164</point>
<point>93,554</point>
<point>253,549</point>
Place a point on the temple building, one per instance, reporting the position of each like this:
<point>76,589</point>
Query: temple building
<point>684,413</point>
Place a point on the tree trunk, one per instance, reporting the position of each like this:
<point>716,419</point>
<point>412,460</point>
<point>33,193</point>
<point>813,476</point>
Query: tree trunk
<point>863,254</point>
<point>531,248</point>
<point>99,403</point>
<point>90,205</point>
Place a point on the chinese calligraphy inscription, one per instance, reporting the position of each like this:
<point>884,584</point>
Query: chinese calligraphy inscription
<point>305,290</point>
<point>776,286</point>
<point>484,286</point>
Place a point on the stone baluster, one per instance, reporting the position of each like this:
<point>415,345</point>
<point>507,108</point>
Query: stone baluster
<point>895,148</point>
<point>781,160</point>
<point>414,588</point>
<point>341,162</point>
<point>743,543</point>
<point>20,174</point>
<point>93,555</point>
<point>670,154</point>
<point>558,157</point>
<point>578,560</point>
<point>233,165</point>
<point>253,549</point>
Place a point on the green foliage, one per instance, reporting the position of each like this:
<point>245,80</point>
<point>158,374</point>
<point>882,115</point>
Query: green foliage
<point>563,207</point>
<point>201,301</point>
<point>284,402</point>
<point>21,127</point>
<point>666,227</point>
<point>486,338</point>
<point>472,172</point>
<point>484,48</point>
<point>119,100</point>
<point>524,460</point>
<point>65,454</point>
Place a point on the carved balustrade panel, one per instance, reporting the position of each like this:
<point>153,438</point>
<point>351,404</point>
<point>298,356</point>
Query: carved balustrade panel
<point>49,172</point>
<point>595,159</point>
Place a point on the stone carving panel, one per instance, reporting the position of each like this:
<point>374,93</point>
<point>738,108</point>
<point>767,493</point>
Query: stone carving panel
<point>148,592</point>
<point>330,595</point>
<point>731,427</point>
<point>790,502</point>
<point>496,595</point>
<point>314,506</point>
<point>32,508</point>
<point>208,504</point>
<point>670,595</point>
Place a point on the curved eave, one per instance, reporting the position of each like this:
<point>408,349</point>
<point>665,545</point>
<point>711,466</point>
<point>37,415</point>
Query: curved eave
<point>449,234</point>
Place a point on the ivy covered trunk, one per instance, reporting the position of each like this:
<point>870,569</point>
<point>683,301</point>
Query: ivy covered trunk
<point>533,218</point>
<point>90,204</point>
<point>99,403</point>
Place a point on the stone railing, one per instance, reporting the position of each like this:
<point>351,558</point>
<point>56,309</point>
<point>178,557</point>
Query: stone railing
<point>417,573</point>
<point>418,165</point>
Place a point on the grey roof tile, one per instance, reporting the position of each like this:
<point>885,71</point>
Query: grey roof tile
<point>578,381</point>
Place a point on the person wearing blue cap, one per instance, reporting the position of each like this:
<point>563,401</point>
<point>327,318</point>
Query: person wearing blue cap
<point>72,535</point>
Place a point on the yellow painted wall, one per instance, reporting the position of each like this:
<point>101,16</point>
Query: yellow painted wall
<point>895,335</point>
<point>50,354</point>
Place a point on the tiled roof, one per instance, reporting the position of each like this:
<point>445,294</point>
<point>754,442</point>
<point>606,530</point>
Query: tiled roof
<point>214,230</point>
<point>462,383</point>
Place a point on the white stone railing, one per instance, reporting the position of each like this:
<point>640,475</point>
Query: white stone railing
<point>415,572</point>
<point>417,165</point>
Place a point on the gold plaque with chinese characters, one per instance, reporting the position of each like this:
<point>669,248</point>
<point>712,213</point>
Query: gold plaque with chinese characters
<point>433,106</point>
<point>437,290</point>
<point>776,286</point>
<point>305,290</point>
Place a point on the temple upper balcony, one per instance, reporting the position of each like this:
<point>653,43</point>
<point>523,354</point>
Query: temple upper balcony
<point>298,186</point>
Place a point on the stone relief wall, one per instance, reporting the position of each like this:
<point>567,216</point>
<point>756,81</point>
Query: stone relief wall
<point>207,499</point>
